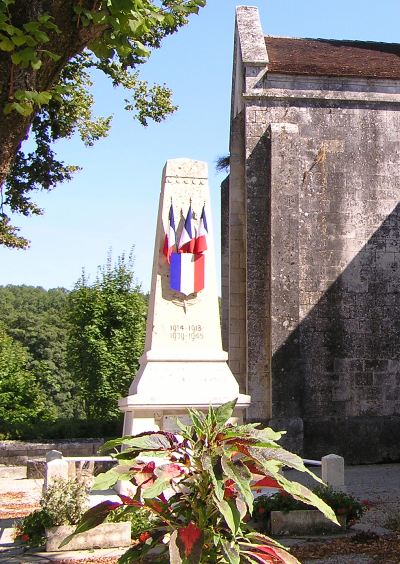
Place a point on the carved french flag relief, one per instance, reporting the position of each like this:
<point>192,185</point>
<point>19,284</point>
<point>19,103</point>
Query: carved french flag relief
<point>187,273</point>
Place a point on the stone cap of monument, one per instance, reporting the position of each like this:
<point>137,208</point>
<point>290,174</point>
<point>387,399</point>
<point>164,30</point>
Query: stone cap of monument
<point>332,57</point>
<point>185,168</point>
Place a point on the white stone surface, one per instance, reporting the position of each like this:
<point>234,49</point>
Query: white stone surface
<point>56,468</point>
<point>332,471</point>
<point>183,364</point>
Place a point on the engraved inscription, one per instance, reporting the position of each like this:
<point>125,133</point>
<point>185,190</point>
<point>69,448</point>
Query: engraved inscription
<point>186,333</point>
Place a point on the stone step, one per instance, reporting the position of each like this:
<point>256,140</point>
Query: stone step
<point>7,532</point>
<point>12,472</point>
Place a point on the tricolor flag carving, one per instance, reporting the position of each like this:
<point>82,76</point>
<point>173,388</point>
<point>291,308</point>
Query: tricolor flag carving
<point>201,237</point>
<point>187,273</point>
<point>170,236</point>
<point>187,265</point>
<point>188,237</point>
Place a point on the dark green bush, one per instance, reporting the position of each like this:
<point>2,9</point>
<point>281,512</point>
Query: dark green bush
<point>61,429</point>
<point>142,521</point>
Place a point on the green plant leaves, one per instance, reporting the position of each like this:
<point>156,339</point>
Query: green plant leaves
<point>209,473</point>
<point>231,551</point>
<point>224,412</point>
<point>230,513</point>
<point>155,489</point>
<point>242,477</point>
<point>150,441</point>
<point>106,480</point>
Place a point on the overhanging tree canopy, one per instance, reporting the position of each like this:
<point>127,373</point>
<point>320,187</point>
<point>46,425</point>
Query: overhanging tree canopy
<point>47,50</point>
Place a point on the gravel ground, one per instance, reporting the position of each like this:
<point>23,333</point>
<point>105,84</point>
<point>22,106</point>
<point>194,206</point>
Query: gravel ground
<point>369,543</point>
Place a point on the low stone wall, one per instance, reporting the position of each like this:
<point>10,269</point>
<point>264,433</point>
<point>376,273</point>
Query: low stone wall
<point>17,453</point>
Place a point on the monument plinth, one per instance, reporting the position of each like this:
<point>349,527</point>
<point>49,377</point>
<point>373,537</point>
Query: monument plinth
<point>183,364</point>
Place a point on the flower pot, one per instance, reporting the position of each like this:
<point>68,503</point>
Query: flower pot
<point>106,535</point>
<point>304,522</point>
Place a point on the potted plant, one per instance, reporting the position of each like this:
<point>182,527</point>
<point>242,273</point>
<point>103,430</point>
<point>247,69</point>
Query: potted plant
<point>62,506</point>
<point>282,514</point>
<point>198,485</point>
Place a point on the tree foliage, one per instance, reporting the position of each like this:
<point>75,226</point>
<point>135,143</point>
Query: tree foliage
<point>48,52</point>
<point>107,336</point>
<point>37,319</point>
<point>21,399</point>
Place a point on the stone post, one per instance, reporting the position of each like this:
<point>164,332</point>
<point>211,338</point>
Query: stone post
<point>56,467</point>
<point>333,471</point>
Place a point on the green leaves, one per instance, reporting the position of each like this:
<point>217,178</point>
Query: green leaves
<point>202,492</point>
<point>24,42</point>
<point>230,513</point>
<point>231,551</point>
<point>224,412</point>
<point>149,441</point>
<point>155,489</point>
<point>241,476</point>
<point>106,340</point>
<point>106,480</point>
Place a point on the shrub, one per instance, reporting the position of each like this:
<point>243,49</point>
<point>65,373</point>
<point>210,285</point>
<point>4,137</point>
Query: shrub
<point>61,429</point>
<point>141,520</point>
<point>31,529</point>
<point>341,503</point>
<point>63,503</point>
<point>198,485</point>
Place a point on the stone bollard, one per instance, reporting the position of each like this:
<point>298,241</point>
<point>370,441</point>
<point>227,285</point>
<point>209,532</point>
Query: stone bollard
<point>56,467</point>
<point>333,471</point>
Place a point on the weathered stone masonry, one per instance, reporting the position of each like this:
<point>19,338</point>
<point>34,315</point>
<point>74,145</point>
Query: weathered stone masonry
<point>311,289</point>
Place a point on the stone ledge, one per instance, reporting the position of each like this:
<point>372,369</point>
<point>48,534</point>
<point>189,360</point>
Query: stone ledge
<point>17,453</point>
<point>106,535</point>
<point>304,522</point>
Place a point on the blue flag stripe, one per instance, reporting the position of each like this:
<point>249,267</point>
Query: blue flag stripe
<point>175,272</point>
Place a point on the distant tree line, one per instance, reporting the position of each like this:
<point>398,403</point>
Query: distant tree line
<point>67,357</point>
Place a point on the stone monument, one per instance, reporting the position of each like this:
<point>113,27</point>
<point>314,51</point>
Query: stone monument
<point>183,364</point>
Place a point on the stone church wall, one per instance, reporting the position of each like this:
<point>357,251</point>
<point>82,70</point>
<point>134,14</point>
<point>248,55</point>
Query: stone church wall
<point>323,273</point>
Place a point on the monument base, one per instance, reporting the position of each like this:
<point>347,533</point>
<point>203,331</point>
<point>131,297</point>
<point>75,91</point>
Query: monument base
<point>164,390</point>
<point>141,416</point>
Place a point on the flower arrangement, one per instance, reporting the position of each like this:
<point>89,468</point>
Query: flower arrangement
<point>198,485</point>
<point>341,503</point>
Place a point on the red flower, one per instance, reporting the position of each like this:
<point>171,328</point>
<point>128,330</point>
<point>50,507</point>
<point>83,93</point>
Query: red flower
<point>341,511</point>
<point>144,536</point>
<point>24,537</point>
<point>261,510</point>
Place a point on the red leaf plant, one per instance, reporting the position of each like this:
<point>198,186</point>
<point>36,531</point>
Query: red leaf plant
<point>198,486</point>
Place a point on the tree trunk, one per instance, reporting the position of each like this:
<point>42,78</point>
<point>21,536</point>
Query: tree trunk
<point>14,128</point>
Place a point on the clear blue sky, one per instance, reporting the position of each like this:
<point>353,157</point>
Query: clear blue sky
<point>113,202</point>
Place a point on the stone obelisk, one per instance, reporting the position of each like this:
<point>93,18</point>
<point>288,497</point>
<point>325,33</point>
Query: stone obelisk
<point>183,364</point>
